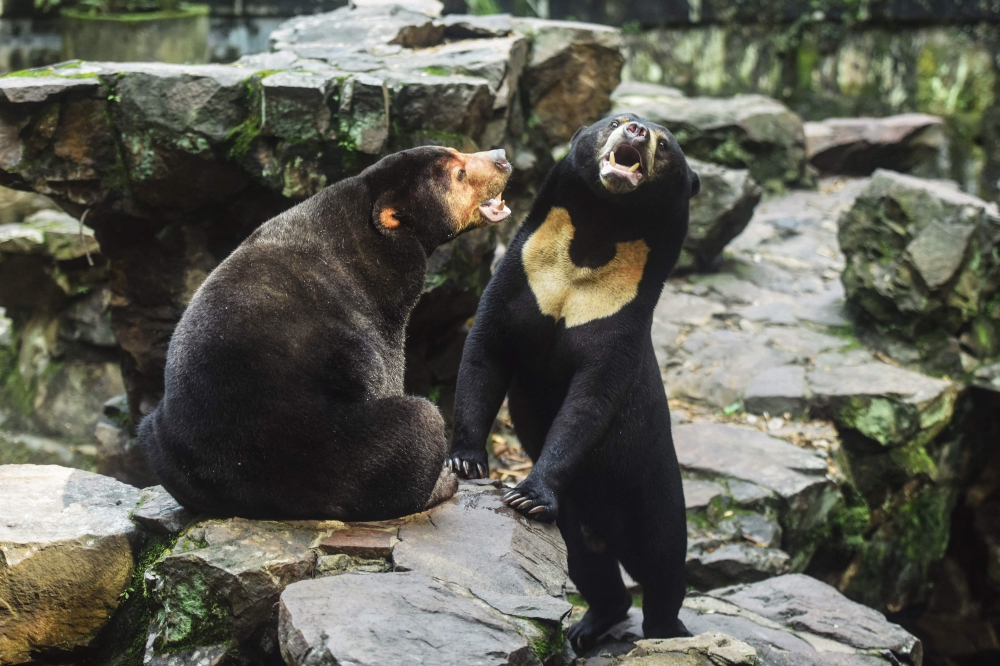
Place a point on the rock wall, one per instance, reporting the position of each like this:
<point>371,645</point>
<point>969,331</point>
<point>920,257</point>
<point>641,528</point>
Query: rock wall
<point>58,356</point>
<point>175,165</point>
<point>824,64</point>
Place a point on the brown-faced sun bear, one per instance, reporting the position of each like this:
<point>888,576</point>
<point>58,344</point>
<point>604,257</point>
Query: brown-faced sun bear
<point>563,329</point>
<point>284,378</point>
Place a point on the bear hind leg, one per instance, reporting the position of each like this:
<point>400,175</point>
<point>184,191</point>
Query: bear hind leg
<point>594,569</point>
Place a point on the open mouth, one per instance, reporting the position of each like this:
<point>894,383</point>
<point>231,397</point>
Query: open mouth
<point>624,162</point>
<point>494,209</point>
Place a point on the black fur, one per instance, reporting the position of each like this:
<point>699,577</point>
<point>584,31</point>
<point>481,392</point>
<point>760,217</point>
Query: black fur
<point>284,378</point>
<point>587,401</point>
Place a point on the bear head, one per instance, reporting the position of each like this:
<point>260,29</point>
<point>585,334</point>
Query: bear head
<point>632,161</point>
<point>435,193</point>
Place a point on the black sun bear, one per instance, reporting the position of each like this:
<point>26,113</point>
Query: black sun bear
<point>284,378</point>
<point>563,329</point>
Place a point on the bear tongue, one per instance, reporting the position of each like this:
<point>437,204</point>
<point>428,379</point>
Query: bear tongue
<point>494,210</point>
<point>632,174</point>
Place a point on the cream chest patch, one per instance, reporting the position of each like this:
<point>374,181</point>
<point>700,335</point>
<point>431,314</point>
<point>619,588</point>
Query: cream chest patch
<point>576,293</point>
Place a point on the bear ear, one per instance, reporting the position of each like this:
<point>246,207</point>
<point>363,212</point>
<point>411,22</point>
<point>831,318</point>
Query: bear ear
<point>387,218</point>
<point>576,134</point>
<point>695,183</point>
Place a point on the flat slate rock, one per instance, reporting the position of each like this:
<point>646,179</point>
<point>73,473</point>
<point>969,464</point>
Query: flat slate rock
<point>909,142</point>
<point>474,540</point>
<point>394,618</point>
<point>805,604</point>
<point>796,475</point>
<point>888,404</point>
<point>66,548</point>
<point>708,649</point>
<point>790,620</point>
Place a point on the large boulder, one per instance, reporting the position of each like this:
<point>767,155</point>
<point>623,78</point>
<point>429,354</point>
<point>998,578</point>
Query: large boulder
<point>923,272</point>
<point>67,550</point>
<point>221,581</point>
<point>910,143</point>
<point>743,132</point>
<point>572,70</point>
<point>719,212</point>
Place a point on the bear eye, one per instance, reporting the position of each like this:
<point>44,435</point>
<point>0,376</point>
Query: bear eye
<point>461,174</point>
<point>663,144</point>
<point>615,124</point>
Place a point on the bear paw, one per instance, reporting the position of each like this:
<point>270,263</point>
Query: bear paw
<point>534,500</point>
<point>584,634</point>
<point>469,464</point>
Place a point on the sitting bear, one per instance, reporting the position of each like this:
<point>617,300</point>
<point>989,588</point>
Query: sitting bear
<point>284,378</point>
<point>563,329</point>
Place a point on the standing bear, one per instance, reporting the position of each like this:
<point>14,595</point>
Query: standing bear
<point>563,329</point>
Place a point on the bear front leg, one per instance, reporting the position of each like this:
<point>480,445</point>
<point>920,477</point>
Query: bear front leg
<point>483,379</point>
<point>593,400</point>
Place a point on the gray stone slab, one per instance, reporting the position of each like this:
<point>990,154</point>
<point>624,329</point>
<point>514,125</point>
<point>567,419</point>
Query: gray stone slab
<point>549,609</point>
<point>745,630</point>
<point>393,618</point>
<point>777,391</point>
<point>697,494</point>
<point>474,540</point>
<point>160,513</point>
<point>734,563</point>
<point>796,475</point>
<point>803,603</point>
<point>909,142</point>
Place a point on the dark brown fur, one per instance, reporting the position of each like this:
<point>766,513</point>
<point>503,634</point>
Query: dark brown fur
<point>284,380</point>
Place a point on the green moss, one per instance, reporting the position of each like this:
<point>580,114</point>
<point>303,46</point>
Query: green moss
<point>482,7</point>
<point>552,639</point>
<point>731,153</point>
<point>186,11</point>
<point>434,70</point>
<point>892,567</point>
<point>48,72</point>
<point>242,137</point>
<point>15,394</point>
<point>124,641</point>
<point>193,615</point>
<point>876,418</point>
<point>807,60</point>
<point>577,599</point>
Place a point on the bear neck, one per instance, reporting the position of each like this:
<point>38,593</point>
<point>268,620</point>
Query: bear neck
<point>392,265</point>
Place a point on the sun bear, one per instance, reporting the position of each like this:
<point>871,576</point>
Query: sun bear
<point>563,329</point>
<point>284,378</point>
